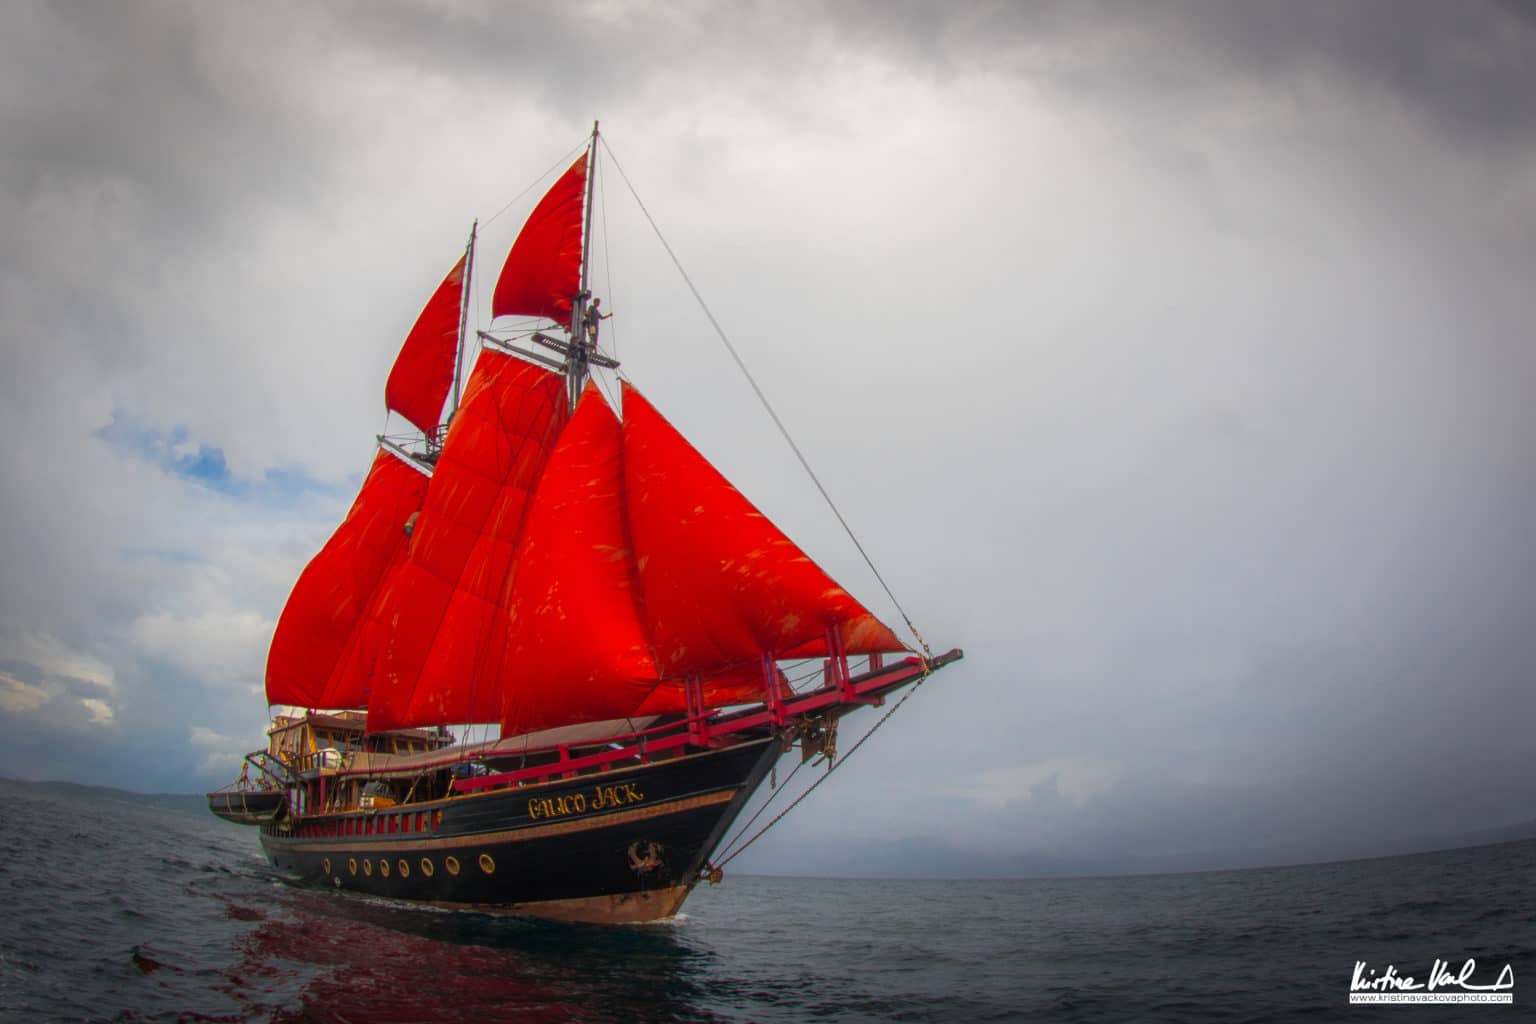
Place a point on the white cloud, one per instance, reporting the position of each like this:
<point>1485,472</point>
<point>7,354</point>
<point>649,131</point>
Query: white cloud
<point>101,711</point>
<point>16,695</point>
<point>52,657</point>
<point>203,736</point>
<point>224,752</point>
<point>218,648</point>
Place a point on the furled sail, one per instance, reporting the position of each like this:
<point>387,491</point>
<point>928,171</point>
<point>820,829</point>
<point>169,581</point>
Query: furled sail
<point>431,655</point>
<point>543,271</point>
<point>326,607</point>
<point>423,371</point>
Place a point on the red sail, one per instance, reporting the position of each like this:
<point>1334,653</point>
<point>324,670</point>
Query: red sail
<point>722,584</point>
<point>327,604</point>
<point>576,650</point>
<point>423,370</point>
<point>433,658</point>
<point>543,270</point>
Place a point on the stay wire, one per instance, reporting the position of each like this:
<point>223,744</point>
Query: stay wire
<point>555,167</point>
<point>783,430</point>
<point>832,768</point>
<point>766,804</point>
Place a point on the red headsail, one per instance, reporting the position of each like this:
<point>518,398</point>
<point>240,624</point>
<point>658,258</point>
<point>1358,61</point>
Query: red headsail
<point>435,658</point>
<point>543,270</point>
<point>325,610</point>
<point>423,370</point>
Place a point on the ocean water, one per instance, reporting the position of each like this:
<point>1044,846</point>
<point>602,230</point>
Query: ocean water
<point>121,908</point>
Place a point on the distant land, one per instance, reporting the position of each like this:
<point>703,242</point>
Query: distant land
<point>921,857</point>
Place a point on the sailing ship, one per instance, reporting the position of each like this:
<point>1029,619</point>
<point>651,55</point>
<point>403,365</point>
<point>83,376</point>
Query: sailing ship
<point>647,643</point>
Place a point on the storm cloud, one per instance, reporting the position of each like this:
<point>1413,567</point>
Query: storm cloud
<point>1173,360</point>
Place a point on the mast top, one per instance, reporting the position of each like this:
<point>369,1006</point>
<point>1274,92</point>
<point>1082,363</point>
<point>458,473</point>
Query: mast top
<point>576,363</point>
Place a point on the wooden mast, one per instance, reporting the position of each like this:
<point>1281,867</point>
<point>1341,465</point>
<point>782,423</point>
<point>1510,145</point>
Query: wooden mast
<point>576,363</point>
<point>458,353</point>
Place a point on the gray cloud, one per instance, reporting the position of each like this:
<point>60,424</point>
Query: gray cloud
<point>1172,359</point>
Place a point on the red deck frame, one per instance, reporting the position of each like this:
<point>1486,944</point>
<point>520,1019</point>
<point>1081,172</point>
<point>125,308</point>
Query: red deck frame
<point>709,728</point>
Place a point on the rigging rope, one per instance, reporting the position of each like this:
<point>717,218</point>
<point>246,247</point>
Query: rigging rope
<point>812,787</point>
<point>726,846</point>
<point>487,222</point>
<point>783,430</point>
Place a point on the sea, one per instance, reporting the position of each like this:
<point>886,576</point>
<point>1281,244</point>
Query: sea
<point>115,907</point>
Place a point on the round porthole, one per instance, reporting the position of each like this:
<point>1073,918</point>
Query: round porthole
<point>426,866</point>
<point>352,865</point>
<point>384,867</point>
<point>486,864</point>
<point>452,864</point>
<point>368,868</point>
<point>326,864</point>
<point>405,868</point>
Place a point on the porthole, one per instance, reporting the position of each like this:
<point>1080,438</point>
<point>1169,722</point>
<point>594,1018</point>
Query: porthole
<point>384,866</point>
<point>487,864</point>
<point>368,868</point>
<point>326,864</point>
<point>405,868</point>
<point>426,866</point>
<point>452,864</point>
<point>352,865</point>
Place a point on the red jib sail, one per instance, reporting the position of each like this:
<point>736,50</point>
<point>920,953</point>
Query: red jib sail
<point>436,639</point>
<point>423,371</point>
<point>543,270</point>
<point>723,586</point>
<point>326,607</point>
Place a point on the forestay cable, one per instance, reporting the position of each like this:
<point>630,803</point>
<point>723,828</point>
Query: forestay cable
<point>720,332</point>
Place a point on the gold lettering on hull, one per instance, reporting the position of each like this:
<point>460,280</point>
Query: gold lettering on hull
<point>600,798</point>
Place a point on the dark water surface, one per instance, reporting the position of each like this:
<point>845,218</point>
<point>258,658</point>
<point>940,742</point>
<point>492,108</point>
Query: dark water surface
<point>122,908</point>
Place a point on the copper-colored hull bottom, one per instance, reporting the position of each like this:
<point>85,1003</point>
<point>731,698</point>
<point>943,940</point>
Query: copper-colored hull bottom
<point>622,908</point>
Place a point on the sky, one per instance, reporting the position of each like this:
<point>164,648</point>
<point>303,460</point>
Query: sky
<point>1172,359</point>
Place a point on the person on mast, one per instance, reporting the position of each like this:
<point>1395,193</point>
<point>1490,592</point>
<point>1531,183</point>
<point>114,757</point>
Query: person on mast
<point>594,317</point>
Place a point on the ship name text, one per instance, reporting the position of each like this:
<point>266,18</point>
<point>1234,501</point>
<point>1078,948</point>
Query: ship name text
<point>600,798</point>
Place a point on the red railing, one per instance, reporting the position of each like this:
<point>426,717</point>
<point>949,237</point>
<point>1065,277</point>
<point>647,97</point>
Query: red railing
<point>711,728</point>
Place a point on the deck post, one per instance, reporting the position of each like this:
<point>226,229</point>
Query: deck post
<point>693,693</point>
<point>774,699</point>
<point>837,656</point>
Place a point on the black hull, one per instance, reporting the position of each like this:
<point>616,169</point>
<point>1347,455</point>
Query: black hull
<point>623,845</point>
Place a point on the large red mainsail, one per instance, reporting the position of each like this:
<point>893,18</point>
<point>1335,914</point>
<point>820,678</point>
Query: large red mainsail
<point>543,271</point>
<point>576,648</point>
<point>423,371</point>
<point>326,607</point>
<point>434,659</point>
